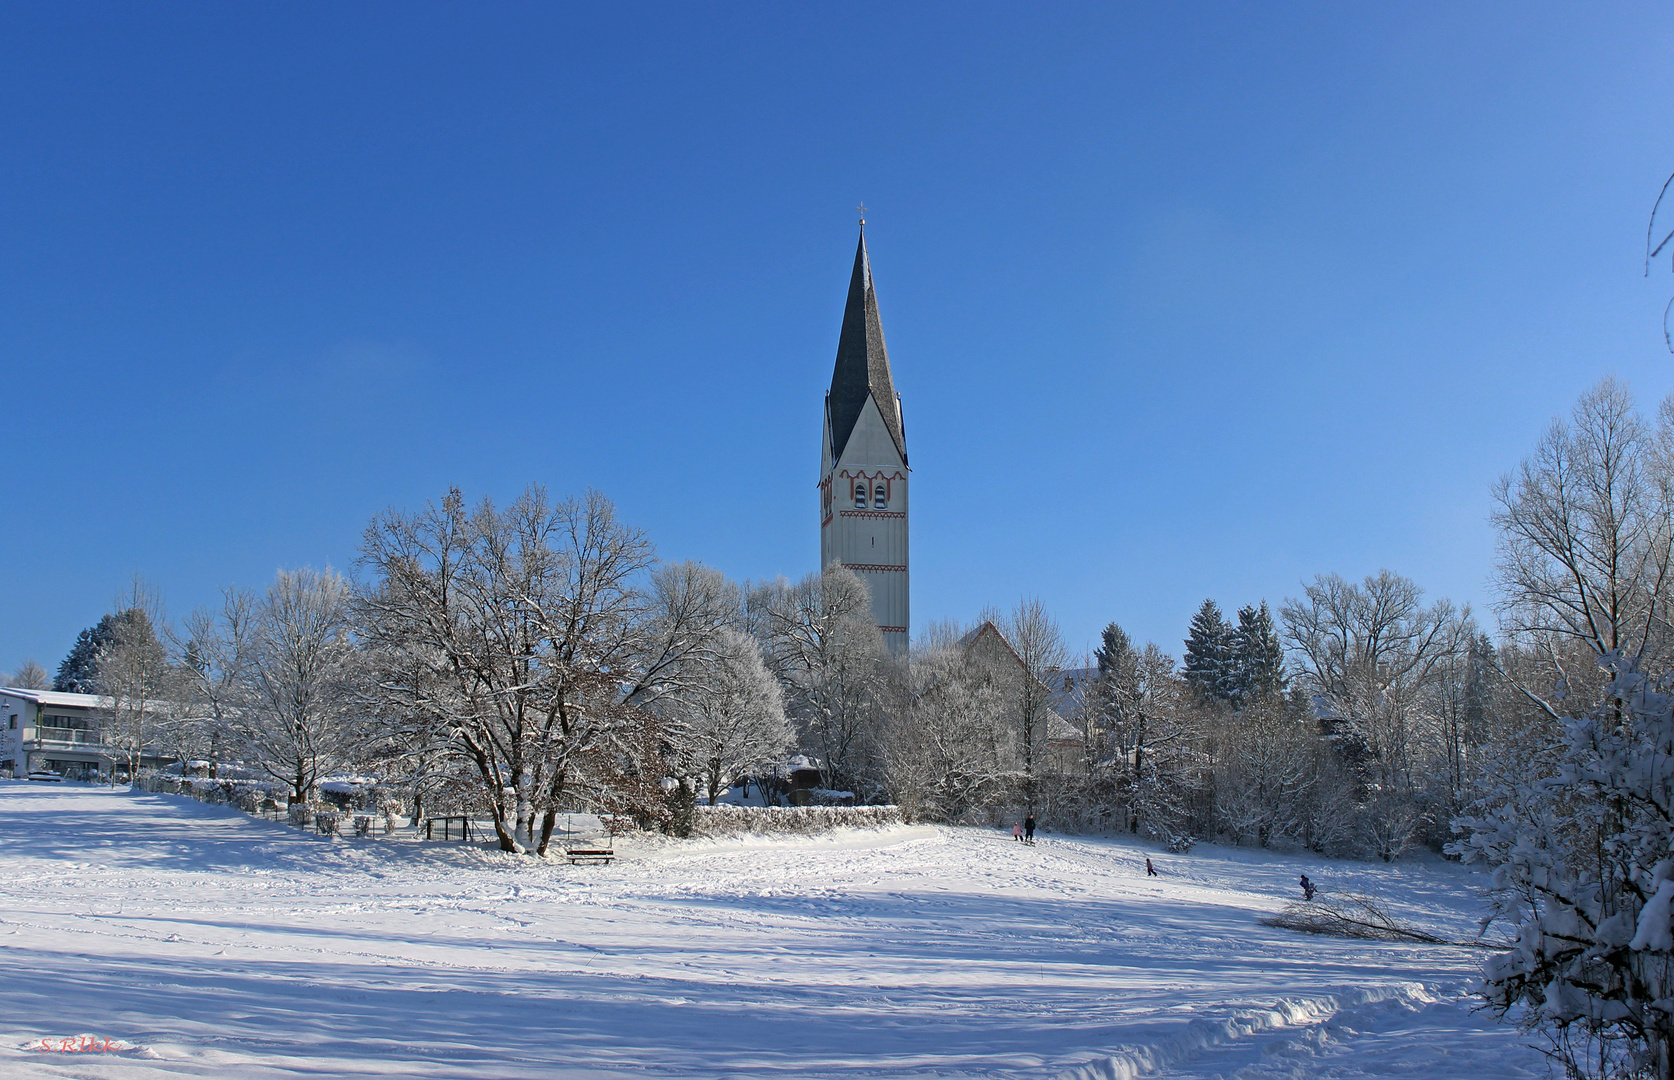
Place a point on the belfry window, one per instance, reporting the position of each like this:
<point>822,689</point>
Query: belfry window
<point>860,495</point>
<point>880,496</point>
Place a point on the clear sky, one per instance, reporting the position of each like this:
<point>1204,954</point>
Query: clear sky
<point>1182,300</point>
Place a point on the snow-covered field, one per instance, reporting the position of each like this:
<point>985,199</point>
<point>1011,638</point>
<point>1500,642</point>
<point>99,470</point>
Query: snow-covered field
<point>212,944</point>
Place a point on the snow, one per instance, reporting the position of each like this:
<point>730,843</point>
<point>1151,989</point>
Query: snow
<point>204,942</point>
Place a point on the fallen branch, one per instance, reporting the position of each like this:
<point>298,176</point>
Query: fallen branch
<point>1356,916</point>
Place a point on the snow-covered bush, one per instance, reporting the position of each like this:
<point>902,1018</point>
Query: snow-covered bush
<point>724,819</point>
<point>1583,857</point>
<point>247,795</point>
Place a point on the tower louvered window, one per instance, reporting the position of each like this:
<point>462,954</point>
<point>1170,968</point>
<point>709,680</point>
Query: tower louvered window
<point>880,496</point>
<point>860,495</point>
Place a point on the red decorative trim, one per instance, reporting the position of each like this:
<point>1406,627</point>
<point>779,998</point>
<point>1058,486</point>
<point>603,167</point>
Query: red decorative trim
<point>879,475</point>
<point>873,568</point>
<point>893,629</point>
<point>888,478</point>
<point>872,513</point>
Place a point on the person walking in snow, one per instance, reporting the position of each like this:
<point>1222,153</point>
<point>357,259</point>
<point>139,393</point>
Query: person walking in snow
<point>1308,888</point>
<point>1150,871</point>
<point>1017,831</point>
<point>1029,829</point>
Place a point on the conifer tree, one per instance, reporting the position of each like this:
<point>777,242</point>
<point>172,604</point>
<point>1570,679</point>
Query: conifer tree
<point>79,673</point>
<point>1208,652</point>
<point>1115,651</point>
<point>1257,670</point>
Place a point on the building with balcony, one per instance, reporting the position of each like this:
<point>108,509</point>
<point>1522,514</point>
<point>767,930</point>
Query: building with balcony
<point>45,730</point>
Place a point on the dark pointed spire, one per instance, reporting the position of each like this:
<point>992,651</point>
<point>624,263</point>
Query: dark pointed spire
<point>862,368</point>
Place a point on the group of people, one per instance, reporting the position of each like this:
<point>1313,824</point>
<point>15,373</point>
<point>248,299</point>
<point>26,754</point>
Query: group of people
<point>1024,833</point>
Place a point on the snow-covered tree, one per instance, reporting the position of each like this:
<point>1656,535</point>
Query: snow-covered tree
<point>948,735</point>
<point>729,714</point>
<point>300,682</point>
<point>1256,668</point>
<point>1034,636</point>
<point>78,673</point>
<point>1138,739</point>
<point>1581,841</point>
<point>1208,657</point>
<point>132,668</point>
<point>213,669</point>
<point>516,632</point>
<point>819,638</point>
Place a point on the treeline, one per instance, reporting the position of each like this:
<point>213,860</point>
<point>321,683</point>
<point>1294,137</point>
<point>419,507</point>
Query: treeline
<point>536,658</point>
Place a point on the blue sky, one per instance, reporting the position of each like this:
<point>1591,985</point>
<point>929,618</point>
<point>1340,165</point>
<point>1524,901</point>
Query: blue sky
<point>1182,300</point>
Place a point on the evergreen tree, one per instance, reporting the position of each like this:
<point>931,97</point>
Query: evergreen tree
<point>1209,652</point>
<point>79,673</point>
<point>1478,689</point>
<point>1115,653</point>
<point>1117,664</point>
<point>1257,670</point>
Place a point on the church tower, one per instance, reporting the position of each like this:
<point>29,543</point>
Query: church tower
<point>863,466</point>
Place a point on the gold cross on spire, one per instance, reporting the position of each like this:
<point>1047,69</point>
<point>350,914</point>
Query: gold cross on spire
<point>862,209</point>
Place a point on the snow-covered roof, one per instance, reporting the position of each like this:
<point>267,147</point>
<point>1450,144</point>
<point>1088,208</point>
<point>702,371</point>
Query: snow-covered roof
<point>57,697</point>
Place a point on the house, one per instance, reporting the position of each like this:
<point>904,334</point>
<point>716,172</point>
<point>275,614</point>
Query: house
<point>50,731</point>
<point>1058,744</point>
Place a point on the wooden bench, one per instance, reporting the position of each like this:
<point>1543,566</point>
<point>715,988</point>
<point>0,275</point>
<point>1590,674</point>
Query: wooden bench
<point>590,855</point>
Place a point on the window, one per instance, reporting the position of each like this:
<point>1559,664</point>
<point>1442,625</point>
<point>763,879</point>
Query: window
<point>880,495</point>
<point>65,729</point>
<point>14,722</point>
<point>860,495</point>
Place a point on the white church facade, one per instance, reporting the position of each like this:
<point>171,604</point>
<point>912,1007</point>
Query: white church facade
<point>863,463</point>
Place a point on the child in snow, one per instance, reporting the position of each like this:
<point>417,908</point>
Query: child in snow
<point>1308,888</point>
<point>1150,871</point>
<point>1029,829</point>
<point>1017,832</point>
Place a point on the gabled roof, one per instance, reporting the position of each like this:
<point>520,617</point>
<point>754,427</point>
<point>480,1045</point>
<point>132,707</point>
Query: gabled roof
<point>1058,730</point>
<point>862,368</point>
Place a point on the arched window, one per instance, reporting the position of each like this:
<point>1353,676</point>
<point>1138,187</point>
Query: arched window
<point>860,494</point>
<point>880,495</point>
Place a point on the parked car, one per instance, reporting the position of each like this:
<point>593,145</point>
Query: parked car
<point>47,775</point>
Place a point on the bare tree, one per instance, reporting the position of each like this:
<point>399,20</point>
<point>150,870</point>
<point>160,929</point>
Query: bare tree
<point>29,676</point>
<point>688,610</point>
<point>299,682</point>
<point>213,666</point>
<point>819,638</point>
<point>457,618</point>
<point>527,635</point>
<point>1586,544</point>
<point>1035,637</point>
<point>1373,656</point>
<point>1268,772</point>
<point>135,675</point>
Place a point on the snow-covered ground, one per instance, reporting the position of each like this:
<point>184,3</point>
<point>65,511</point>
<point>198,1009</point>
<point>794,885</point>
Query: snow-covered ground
<point>212,944</point>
